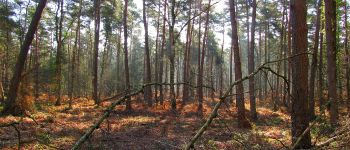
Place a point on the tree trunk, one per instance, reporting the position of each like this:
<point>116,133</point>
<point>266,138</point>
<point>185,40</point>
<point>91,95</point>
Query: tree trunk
<point>59,52</point>
<point>251,66</point>
<point>36,67</point>
<point>148,89</point>
<point>156,66</point>
<point>172,55</point>
<point>161,93</point>
<point>331,25</point>
<point>202,57</point>
<point>185,91</point>
<point>238,71</point>
<point>300,119</point>
<point>266,59</point>
<point>347,69</point>
<point>95,54</point>
<point>221,80</point>
<point>10,104</point>
<point>75,49</point>
<point>126,63</point>
<point>199,89</point>
<point>320,72</point>
<point>314,64</point>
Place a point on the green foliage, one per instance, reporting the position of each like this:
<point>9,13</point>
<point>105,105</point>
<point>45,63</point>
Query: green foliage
<point>44,137</point>
<point>211,145</point>
<point>322,128</point>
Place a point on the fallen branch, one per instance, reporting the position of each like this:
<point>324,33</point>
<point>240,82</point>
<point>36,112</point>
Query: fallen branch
<point>101,119</point>
<point>222,99</point>
<point>118,102</point>
<point>216,108</point>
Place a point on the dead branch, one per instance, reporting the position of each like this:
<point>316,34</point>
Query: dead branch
<point>107,112</point>
<point>216,108</point>
<point>222,99</point>
<point>101,119</point>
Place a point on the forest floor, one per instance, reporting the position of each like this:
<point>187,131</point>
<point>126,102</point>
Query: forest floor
<point>148,128</point>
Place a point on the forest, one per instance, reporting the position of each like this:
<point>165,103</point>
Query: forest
<point>174,74</point>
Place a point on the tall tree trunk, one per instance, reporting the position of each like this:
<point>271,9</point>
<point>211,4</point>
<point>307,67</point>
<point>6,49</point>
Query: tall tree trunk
<point>331,27</point>
<point>266,59</point>
<point>199,89</point>
<point>36,67</point>
<point>300,65</point>
<point>161,93</point>
<point>251,66</point>
<point>185,91</point>
<point>222,60</point>
<point>314,63</point>
<point>59,52</point>
<point>238,71</point>
<point>260,62</point>
<point>320,72</point>
<point>347,61</point>
<point>285,55</point>
<point>172,55</point>
<point>75,49</point>
<point>202,57</point>
<point>126,63</point>
<point>148,89</point>
<point>119,47</point>
<point>10,104</point>
<point>289,36</point>
<point>156,66</point>
<point>97,4</point>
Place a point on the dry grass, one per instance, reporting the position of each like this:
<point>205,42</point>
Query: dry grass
<point>145,128</point>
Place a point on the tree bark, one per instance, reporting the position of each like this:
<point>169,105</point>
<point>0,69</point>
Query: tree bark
<point>251,66</point>
<point>331,26</point>
<point>161,93</point>
<point>300,120</point>
<point>320,72</point>
<point>202,57</point>
<point>347,60</point>
<point>75,49</point>
<point>59,53</point>
<point>172,55</point>
<point>10,104</point>
<point>314,63</point>
<point>95,54</point>
<point>156,66</point>
<point>185,92</point>
<point>126,62</point>
<point>148,89</point>
<point>199,91</point>
<point>238,71</point>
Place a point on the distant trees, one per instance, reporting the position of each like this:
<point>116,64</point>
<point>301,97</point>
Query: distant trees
<point>65,57</point>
